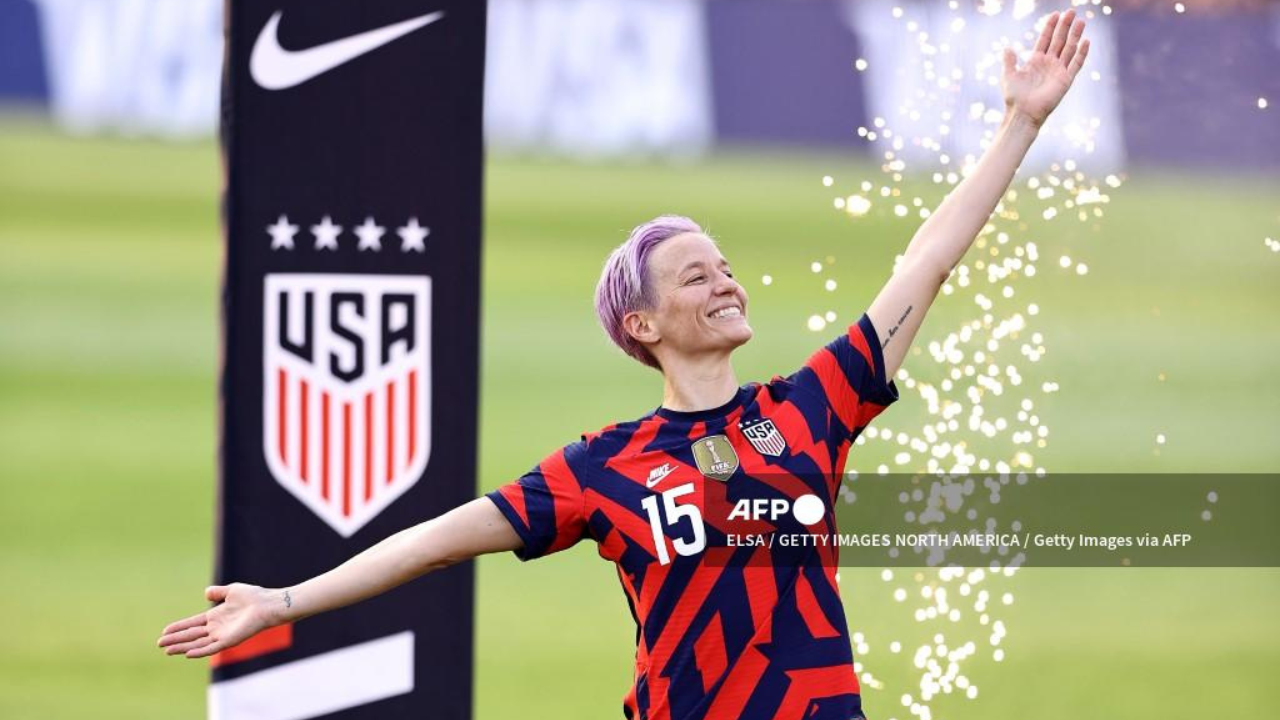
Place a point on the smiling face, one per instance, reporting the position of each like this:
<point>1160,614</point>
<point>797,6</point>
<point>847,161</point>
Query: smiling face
<point>699,307</point>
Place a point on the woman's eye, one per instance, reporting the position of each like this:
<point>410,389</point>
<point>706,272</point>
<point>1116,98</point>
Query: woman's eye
<point>697,278</point>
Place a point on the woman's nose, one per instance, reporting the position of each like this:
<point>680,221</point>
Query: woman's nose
<point>726,285</point>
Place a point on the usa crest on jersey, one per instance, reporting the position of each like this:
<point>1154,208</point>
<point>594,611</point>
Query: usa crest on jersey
<point>346,393</point>
<point>763,436</point>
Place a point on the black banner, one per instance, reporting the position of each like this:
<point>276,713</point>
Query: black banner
<point>352,142</point>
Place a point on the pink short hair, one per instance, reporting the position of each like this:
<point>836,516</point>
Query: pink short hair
<point>626,282</point>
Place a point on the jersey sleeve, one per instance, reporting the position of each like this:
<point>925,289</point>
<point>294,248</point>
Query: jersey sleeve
<point>545,506</point>
<point>849,373</point>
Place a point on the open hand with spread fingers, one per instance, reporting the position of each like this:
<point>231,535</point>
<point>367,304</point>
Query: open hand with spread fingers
<point>241,613</point>
<point>1036,88</point>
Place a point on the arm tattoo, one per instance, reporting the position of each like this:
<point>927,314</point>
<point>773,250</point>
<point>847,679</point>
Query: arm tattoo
<point>894,330</point>
<point>288,601</point>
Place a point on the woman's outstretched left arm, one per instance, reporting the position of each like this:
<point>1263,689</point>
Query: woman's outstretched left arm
<point>1030,93</point>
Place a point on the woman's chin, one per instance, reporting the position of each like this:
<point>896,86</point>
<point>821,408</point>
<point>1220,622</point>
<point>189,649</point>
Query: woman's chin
<point>742,334</point>
<point>726,338</point>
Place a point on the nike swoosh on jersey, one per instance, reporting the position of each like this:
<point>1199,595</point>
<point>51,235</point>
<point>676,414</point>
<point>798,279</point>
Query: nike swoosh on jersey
<point>275,68</point>
<point>657,474</point>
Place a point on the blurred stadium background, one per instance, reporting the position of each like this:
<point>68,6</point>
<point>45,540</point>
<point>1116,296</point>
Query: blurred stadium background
<point>600,115</point>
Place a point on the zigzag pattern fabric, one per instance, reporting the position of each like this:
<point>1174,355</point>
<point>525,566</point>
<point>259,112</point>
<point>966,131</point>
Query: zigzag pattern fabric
<point>721,632</point>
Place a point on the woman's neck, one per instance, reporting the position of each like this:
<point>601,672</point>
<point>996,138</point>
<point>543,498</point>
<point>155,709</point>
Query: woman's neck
<point>689,386</point>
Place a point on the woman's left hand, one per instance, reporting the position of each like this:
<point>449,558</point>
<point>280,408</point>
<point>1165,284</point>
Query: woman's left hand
<point>1036,88</point>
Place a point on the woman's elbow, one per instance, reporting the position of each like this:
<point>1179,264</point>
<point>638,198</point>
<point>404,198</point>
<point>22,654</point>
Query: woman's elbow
<point>925,268</point>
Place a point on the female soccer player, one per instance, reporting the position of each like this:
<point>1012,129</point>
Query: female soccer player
<point>721,632</point>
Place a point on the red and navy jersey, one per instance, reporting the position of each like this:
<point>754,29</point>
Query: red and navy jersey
<point>721,632</point>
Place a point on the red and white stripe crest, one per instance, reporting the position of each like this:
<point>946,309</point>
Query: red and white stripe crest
<point>347,390</point>
<point>764,436</point>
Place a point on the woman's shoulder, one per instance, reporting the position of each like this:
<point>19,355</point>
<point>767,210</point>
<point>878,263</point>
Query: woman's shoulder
<point>630,437</point>
<point>615,433</point>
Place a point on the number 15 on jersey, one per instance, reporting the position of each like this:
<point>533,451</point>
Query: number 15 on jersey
<point>670,514</point>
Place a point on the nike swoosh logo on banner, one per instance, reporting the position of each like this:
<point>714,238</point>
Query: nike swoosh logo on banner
<point>275,68</point>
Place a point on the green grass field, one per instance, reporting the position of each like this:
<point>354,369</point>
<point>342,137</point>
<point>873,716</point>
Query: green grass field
<point>109,262</point>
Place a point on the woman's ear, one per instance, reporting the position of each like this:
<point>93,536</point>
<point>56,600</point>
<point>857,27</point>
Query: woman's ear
<point>638,326</point>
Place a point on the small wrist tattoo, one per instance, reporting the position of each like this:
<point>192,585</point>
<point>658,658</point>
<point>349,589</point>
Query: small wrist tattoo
<point>288,601</point>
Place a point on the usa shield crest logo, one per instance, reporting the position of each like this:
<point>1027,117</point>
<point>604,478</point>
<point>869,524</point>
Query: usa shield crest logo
<point>347,390</point>
<point>763,436</point>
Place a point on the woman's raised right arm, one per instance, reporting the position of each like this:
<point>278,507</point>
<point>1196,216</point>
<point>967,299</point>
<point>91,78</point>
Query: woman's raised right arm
<point>475,528</point>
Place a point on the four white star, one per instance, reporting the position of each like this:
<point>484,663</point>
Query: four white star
<point>282,234</point>
<point>370,234</point>
<point>412,236</point>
